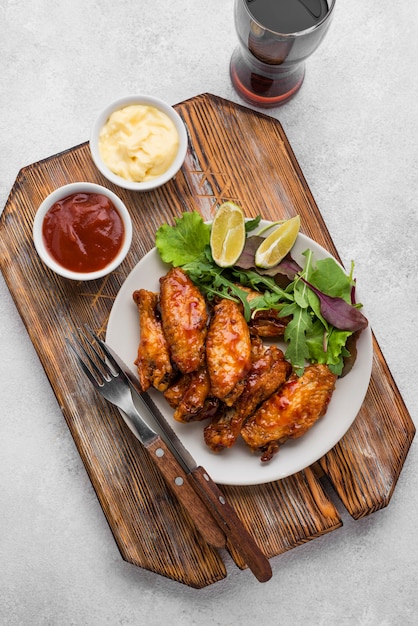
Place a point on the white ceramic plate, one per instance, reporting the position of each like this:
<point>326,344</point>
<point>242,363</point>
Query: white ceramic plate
<point>238,465</point>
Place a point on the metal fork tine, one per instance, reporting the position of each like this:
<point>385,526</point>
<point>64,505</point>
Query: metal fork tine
<point>103,346</point>
<point>99,356</point>
<point>82,364</point>
<point>99,373</point>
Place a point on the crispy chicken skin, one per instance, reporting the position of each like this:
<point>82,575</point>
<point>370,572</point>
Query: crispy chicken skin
<point>268,324</point>
<point>291,411</point>
<point>153,360</point>
<point>265,323</point>
<point>191,406</point>
<point>228,351</point>
<point>189,396</point>
<point>268,373</point>
<point>184,319</point>
<point>176,390</point>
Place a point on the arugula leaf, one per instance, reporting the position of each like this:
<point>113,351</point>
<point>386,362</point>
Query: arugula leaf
<point>184,242</point>
<point>300,294</point>
<point>212,281</point>
<point>253,279</point>
<point>297,351</point>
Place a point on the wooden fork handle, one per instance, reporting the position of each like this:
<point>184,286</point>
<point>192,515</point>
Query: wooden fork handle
<point>177,480</point>
<point>212,515</point>
<point>235,531</point>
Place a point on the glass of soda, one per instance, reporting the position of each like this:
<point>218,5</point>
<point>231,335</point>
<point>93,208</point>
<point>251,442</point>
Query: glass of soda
<point>275,38</point>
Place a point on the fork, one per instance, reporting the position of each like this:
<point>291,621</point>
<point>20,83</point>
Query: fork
<point>213,516</point>
<point>113,388</point>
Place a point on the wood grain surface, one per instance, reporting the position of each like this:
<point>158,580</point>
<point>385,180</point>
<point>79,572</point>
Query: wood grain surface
<point>234,154</point>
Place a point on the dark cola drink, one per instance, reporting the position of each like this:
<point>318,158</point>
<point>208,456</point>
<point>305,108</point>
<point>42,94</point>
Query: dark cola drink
<point>288,16</point>
<point>276,36</point>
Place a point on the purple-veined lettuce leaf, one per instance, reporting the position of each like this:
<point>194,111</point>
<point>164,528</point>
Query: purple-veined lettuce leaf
<point>337,312</point>
<point>247,259</point>
<point>287,267</point>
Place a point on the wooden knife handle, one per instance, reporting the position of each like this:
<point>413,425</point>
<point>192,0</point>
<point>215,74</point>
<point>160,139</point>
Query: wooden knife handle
<point>234,529</point>
<point>177,480</point>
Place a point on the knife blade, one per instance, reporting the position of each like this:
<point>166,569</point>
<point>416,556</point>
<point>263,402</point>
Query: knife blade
<point>208,491</point>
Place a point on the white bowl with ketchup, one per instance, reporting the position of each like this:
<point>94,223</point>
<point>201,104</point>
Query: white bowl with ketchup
<point>138,142</point>
<point>82,231</point>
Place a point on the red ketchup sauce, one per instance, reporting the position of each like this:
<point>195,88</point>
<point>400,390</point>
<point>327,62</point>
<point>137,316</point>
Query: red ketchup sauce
<point>83,232</point>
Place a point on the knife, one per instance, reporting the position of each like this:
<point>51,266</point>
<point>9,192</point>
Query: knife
<point>208,491</point>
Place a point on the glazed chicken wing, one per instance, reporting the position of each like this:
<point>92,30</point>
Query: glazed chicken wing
<point>269,324</point>
<point>265,323</point>
<point>153,360</point>
<point>228,351</point>
<point>184,319</point>
<point>190,398</point>
<point>268,373</point>
<point>176,390</point>
<point>291,411</point>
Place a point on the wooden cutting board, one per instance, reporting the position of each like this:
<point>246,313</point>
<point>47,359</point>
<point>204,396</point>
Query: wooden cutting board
<point>234,154</point>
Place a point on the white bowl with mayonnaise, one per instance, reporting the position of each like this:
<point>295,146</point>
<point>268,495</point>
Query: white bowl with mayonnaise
<point>139,142</point>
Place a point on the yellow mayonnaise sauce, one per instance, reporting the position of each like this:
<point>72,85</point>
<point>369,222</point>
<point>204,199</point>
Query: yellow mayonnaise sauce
<point>138,142</point>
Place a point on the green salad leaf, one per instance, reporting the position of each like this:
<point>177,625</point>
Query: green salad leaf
<point>185,242</point>
<point>297,351</point>
<point>331,279</point>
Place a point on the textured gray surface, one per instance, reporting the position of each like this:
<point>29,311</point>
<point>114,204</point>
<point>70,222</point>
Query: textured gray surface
<point>353,128</point>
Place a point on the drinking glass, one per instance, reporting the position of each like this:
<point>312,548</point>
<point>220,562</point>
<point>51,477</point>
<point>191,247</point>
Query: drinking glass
<point>268,66</point>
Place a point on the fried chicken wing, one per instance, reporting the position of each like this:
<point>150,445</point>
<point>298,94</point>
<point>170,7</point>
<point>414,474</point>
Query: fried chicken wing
<point>268,323</point>
<point>195,404</point>
<point>184,319</point>
<point>265,323</point>
<point>291,411</point>
<point>153,359</point>
<point>176,390</point>
<point>268,373</point>
<point>228,351</point>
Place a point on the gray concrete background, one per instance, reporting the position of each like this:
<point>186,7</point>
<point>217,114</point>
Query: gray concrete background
<point>353,128</point>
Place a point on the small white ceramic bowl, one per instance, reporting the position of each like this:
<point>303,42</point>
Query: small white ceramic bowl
<point>120,104</point>
<point>63,192</point>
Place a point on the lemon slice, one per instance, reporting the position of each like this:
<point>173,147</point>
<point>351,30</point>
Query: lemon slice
<point>275,247</point>
<point>227,237</point>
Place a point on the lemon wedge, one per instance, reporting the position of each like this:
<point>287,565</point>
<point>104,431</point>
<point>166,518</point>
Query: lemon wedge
<point>227,238</point>
<point>275,247</point>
